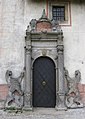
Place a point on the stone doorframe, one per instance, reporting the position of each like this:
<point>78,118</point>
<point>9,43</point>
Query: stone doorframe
<point>44,38</point>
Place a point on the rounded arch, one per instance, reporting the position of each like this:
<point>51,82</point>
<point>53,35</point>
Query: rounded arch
<point>38,57</point>
<point>44,57</point>
<point>44,82</point>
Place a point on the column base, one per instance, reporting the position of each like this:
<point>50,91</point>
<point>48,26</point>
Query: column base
<point>60,102</point>
<point>27,108</point>
<point>61,108</point>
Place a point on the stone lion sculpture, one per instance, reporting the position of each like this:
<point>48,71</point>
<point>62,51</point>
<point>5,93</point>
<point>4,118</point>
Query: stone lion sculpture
<point>15,94</point>
<point>73,99</point>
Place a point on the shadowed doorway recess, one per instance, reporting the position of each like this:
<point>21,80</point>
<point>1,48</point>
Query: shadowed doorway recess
<point>44,83</point>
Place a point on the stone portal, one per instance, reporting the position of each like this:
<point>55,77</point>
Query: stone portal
<point>44,38</point>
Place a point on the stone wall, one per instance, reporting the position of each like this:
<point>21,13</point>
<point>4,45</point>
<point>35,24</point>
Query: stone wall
<point>11,37</point>
<point>74,41</point>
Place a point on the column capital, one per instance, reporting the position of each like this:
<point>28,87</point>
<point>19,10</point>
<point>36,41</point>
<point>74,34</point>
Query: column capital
<point>28,49</point>
<point>60,48</point>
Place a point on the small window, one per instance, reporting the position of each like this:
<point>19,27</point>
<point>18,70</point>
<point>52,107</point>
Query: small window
<point>58,13</point>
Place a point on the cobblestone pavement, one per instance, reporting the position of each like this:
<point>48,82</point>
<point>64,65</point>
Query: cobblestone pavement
<point>45,114</point>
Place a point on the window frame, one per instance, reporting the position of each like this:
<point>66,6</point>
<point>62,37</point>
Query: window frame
<point>67,6</point>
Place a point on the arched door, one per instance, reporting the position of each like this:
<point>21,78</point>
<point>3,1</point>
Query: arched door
<point>44,83</point>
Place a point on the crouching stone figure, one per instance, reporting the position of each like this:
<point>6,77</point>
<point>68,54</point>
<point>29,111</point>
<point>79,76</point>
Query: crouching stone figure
<point>73,99</point>
<point>15,94</point>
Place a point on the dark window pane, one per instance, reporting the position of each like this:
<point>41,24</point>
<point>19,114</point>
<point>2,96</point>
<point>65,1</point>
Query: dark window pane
<point>58,13</point>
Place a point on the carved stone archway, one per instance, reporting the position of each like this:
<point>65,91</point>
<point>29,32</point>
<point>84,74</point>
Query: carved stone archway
<point>44,38</point>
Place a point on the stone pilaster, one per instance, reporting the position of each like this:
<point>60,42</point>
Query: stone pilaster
<point>28,92</point>
<point>61,83</point>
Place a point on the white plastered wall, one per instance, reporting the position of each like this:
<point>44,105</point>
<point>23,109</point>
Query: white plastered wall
<point>15,16</point>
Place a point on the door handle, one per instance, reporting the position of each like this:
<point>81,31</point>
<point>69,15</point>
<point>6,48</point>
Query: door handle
<point>43,83</point>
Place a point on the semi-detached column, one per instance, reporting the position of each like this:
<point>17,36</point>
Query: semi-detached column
<point>27,93</point>
<point>60,75</point>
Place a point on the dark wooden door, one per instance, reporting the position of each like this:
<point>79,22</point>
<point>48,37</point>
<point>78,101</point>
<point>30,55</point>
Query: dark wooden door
<point>44,83</point>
